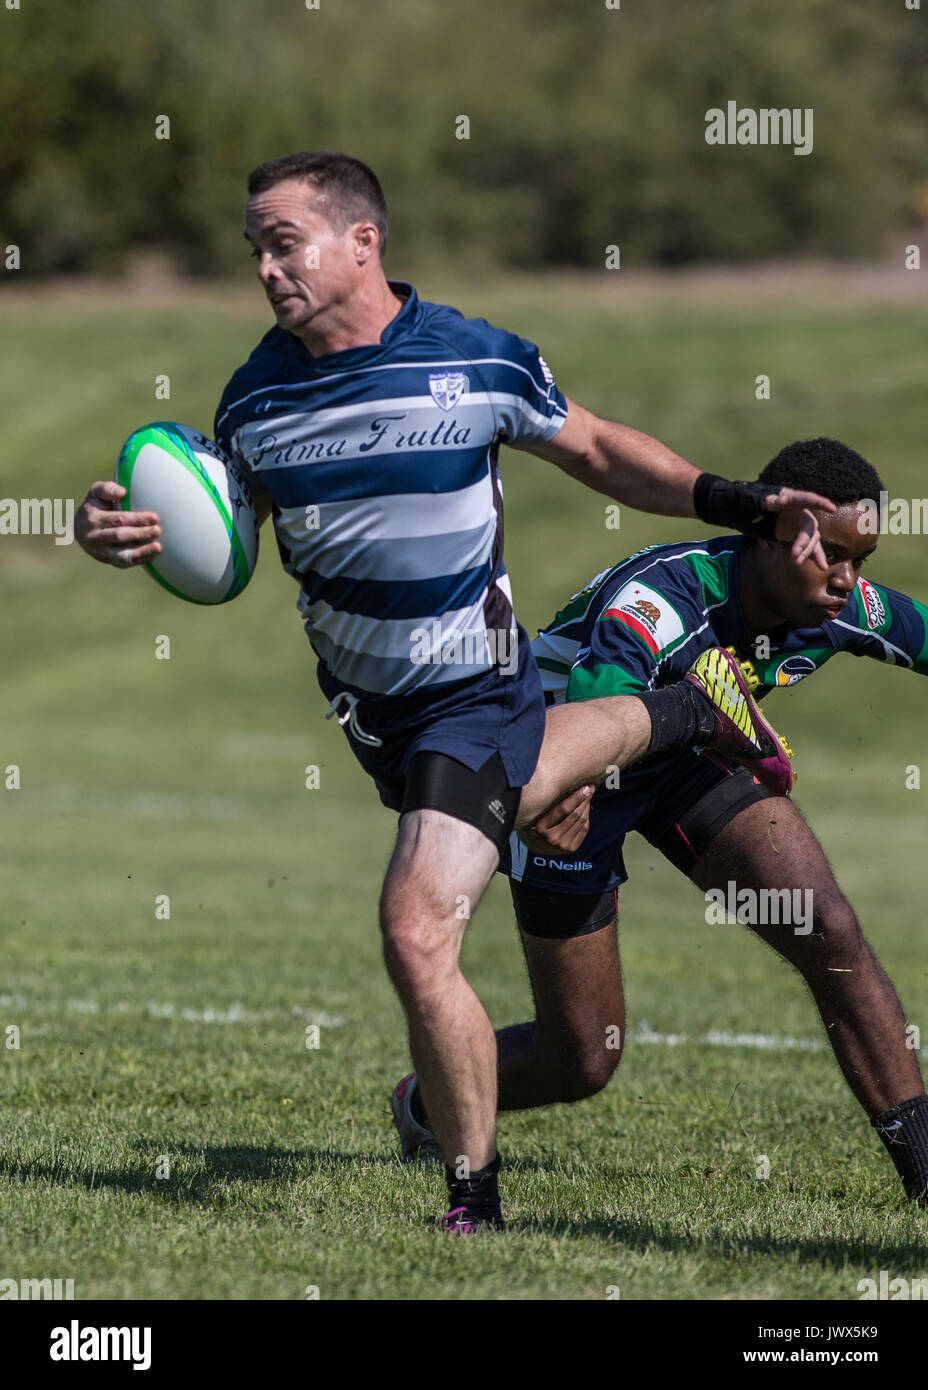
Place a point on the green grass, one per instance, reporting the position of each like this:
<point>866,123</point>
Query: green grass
<point>143,1038</point>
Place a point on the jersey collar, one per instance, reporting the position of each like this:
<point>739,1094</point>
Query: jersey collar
<point>406,316</point>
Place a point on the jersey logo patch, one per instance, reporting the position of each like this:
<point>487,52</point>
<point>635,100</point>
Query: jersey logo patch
<point>793,669</point>
<point>447,388</point>
<point>648,614</point>
<point>873,605</point>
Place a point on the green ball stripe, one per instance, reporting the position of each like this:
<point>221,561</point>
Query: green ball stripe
<point>167,436</point>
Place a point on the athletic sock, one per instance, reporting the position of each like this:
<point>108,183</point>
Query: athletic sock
<point>681,717</point>
<point>479,1193</point>
<point>904,1132</point>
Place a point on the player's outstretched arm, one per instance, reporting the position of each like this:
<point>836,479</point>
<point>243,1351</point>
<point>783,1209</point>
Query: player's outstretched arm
<point>641,472</point>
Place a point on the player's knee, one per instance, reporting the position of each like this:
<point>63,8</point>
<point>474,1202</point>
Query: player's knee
<point>843,938</point>
<point>835,936</point>
<point>590,1069</point>
<point>418,953</point>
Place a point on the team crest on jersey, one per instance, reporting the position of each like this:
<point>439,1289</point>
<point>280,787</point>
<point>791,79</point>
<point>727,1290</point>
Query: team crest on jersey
<point>447,388</point>
<point>873,605</point>
<point>648,615</point>
<point>793,669</point>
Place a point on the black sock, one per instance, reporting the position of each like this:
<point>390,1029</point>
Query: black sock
<point>904,1132</point>
<point>479,1193</point>
<point>681,717</point>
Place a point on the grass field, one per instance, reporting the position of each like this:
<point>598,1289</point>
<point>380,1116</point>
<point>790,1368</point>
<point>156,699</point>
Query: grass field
<point>185,1039</point>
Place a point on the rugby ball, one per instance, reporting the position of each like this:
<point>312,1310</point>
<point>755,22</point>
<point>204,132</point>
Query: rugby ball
<point>209,530</point>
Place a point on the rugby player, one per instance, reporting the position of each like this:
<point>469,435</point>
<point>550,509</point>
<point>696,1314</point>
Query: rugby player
<point>637,626</point>
<point>368,422</point>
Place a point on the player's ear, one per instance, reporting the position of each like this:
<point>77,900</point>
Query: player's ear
<point>366,241</point>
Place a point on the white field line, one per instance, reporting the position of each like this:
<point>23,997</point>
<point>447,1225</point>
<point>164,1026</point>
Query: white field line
<point>153,1008</point>
<point>237,1013</point>
<point>778,1042</point>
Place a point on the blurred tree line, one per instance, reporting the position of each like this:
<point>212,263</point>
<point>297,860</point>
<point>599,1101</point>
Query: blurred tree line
<point>586,125</point>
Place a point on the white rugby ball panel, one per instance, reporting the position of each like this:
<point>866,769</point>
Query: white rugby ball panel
<point>209,530</point>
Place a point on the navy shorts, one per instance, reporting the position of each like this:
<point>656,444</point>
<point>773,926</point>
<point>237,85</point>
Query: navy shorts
<point>469,721</point>
<point>678,801</point>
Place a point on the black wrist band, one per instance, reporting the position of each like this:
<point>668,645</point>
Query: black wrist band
<point>721,502</point>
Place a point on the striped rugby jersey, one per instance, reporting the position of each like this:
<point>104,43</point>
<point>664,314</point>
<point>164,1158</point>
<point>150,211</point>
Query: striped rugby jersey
<point>382,464</point>
<point>642,624</point>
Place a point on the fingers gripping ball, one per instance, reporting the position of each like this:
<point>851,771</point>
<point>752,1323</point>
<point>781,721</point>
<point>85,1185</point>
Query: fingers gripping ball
<point>209,530</point>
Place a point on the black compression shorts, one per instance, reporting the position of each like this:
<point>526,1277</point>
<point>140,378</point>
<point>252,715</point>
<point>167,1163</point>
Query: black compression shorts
<point>483,798</point>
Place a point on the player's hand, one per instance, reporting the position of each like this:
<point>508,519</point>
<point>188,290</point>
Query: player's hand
<point>797,524</point>
<point>123,539</point>
<point>563,827</point>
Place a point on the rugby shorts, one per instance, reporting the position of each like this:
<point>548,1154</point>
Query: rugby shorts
<point>678,801</point>
<point>466,750</point>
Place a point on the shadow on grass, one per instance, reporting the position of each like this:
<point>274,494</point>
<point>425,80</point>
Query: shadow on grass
<point>216,1166</point>
<point>644,1235</point>
<point>211,1167</point>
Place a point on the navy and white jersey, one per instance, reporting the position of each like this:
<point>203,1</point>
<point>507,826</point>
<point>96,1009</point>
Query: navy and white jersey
<point>382,465</point>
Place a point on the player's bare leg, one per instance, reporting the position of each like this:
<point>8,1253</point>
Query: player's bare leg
<point>711,707</point>
<point>574,1044</point>
<point>437,875</point>
<point>769,845</point>
<point>583,741</point>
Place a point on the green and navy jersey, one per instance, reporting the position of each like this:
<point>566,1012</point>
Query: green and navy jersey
<point>382,465</point>
<point>642,623</point>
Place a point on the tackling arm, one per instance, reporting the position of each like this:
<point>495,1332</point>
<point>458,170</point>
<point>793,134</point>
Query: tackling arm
<point>640,471</point>
<point>621,462</point>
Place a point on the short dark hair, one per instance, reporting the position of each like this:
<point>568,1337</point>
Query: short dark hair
<point>352,189</point>
<point>825,466</point>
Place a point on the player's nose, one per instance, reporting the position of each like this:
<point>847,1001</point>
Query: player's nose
<point>267,270</point>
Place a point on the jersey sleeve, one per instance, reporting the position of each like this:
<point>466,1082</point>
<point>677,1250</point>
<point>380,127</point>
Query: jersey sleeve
<point>635,635</point>
<point>528,406</point>
<point>889,627</point>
